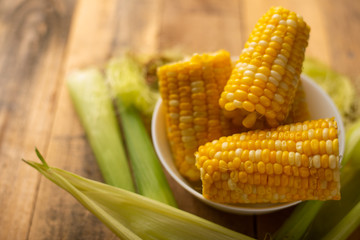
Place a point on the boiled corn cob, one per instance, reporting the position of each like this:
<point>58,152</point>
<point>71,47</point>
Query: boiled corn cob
<point>190,91</point>
<point>288,163</point>
<point>298,112</point>
<point>265,78</point>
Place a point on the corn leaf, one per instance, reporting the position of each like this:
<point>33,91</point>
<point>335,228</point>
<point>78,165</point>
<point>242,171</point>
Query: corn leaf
<point>338,86</point>
<point>127,84</point>
<point>352,145</point>
<point>131,216</point>
<point>346,226</point>
<point>126,77</point>
<point>297,224</point>
<point>149,175</point>
<point>94,107</point>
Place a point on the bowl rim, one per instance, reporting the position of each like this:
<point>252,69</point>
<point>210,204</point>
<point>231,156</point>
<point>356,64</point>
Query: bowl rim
<point>241,209</point>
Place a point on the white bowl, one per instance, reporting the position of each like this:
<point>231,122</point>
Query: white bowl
<point>320,106</point>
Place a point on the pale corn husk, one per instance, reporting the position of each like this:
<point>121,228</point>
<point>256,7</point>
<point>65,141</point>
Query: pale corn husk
<point>339,87</point>
<point>126,78</point>
<point>93,105</point>
<point>131,216</point>
<point>132,95</point>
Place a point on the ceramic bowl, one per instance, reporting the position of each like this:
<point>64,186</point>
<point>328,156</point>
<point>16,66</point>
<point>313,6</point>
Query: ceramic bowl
<point>320,106</point>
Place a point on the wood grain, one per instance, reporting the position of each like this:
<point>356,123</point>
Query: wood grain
<point>33,39</point>
<point>42,41</point>
<point>68,148</point>
<point>342,22</point>
<point>202,26</point>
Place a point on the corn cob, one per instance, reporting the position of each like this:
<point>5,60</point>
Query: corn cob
<point>265,78</point>
<point>288,163</point>
<point>190,91</point>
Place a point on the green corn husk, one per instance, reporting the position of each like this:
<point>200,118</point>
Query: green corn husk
<point>131,93</point>
<point>352,144</point>
<point>297,224</point>
<point>313,219</point>
<point>150,178</point>
<point>333,211</point>
<point>338,86</point>
<point>94,107</point>
<point>126,77</point>
<point>131,216</point>
<point>346,226</point>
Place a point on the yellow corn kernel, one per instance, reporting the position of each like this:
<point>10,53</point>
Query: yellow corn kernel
<point>190,91</point>
<point>293,170</point>
<point>249,120</point>
<point>270,65</point>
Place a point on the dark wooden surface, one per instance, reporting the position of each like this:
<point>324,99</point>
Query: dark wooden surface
<point>42,40</point>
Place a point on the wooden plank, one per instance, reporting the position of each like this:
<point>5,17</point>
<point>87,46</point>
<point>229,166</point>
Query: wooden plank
<point>204,26</point>
<point>36,53</point>
<point>33,35</point>
<point>343,29</point>
<point>57,213</point>
<point>138,27</point>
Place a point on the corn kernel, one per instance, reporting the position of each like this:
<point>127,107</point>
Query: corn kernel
<point>287,163</point>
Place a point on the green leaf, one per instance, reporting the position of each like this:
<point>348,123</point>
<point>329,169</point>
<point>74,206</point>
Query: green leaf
<point>94,107</point>
<point>338,86</point>
<point>131,216</point>
<point>126,77</point>
<point>132,95</point>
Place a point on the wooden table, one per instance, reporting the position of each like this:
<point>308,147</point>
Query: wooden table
<point>42,40</point>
